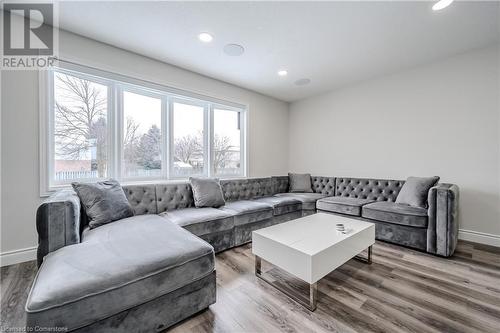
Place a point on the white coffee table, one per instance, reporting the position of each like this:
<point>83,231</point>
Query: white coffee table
<point>310,248</point>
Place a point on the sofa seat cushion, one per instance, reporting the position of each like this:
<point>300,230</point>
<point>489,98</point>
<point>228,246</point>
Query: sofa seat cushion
<point>343,205</point>
<point>308,200</point>
<point>396,213</point>
<point>201,221</point>
<point>248,211</point>
<point>117,266</point>
<point>282,204</point>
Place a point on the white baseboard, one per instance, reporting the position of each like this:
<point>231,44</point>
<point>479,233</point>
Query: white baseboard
<point>17,256</point>
<point>479,237</point>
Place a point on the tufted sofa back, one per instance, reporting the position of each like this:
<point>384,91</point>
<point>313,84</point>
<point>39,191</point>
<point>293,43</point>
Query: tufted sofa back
<point>323,185</point>
<point>158,198</point>
<point>246,188</point>
<point>173,196</point>
<point>142,198</point>
<point>372,189</point>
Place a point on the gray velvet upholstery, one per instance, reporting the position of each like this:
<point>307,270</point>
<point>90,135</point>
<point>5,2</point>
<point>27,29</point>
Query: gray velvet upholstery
<point>103,201</point>
<point>142,198</point>
<point>143,249</point>
<point>282,204</point>
<point>211,224</point>
<point>207,192</point>
<point>58,222</point>
<point>308,200</point>
<point>401,235</point>
<point>342,205</point>
<point>173,196</point>
<point>442,233</point>
<point>201,221</point>
<point>246,189</point>
<point>415,191</point>
<point>323,185</point>
<point>248,211</point>
<point>371,189</point>
<point>299,182</point>
<point>396,213</point>
<point>249,215</point>
<point>161,312</point>
<point>280,184</point>
<point>117,266</point>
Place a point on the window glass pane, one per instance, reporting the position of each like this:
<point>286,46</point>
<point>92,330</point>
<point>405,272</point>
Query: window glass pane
<point>227,143</point>
<point>141,135</point>
<point>80,129</point>
<point>188,151</point>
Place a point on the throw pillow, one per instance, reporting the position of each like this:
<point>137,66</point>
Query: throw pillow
<point>104,202</point>
<point>415,190</point>
<point>300,182</point>
<point>207,192</point>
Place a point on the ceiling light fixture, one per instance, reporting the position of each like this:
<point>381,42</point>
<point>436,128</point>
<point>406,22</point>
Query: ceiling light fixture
<point>205,37</point>
<point>282,72</point>
<point>441,4</point>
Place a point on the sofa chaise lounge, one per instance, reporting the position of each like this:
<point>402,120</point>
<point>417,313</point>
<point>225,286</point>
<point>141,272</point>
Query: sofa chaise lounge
<point>147,272</point>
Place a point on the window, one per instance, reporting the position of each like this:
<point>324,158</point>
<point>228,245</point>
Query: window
<point>80,129</point>
<point>227,159</point>
<point>99,125</point>
<point>188,157</point>
<point>142,136</point>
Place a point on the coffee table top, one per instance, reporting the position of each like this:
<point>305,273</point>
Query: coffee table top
<point>314,233</point>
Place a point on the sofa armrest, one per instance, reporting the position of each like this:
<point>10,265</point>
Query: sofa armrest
<point>442,232</point>
<point>57,222</point>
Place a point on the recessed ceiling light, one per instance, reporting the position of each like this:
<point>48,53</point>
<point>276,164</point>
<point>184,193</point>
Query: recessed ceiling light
<point>282,72</point>
<point>234,50</point>
<point>302,82</point>
<point>205,37</point>
<point>441,4</point>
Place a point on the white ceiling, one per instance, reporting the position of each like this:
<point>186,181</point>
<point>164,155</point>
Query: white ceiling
<point>331,43</point>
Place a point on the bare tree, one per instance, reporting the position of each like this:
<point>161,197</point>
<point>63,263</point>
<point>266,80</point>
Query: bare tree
<point>187,147</point>
<point>222,151</point>
<point>81,120</point>
<point>130,140</point>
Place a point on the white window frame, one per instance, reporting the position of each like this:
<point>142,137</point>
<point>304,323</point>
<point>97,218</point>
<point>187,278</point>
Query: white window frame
<point>121,88</point>
<point>117,84</point>
<point>243,156</point>
<point>206,133</point>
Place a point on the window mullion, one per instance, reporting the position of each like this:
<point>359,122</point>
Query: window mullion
<point>110,128</point>
<point>118,133</point>
<point>208,139</point>
<point>170,138</point>
<point>243,144</point>
<point>165,137</point>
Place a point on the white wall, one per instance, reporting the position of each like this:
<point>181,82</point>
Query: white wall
<point>267,135</point>
<point>439,119</point>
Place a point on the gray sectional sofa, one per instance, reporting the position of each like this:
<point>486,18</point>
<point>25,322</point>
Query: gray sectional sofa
<point>433,229</point>
<point>147,272</point>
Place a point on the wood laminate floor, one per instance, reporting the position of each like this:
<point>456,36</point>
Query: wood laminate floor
<point>402,291</point>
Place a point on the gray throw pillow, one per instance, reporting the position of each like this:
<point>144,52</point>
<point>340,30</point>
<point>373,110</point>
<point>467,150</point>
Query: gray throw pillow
<point>300,182</point>
<point>415,190</point>
<point>104,202</point>
<point>207,192</point>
